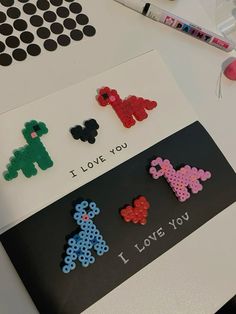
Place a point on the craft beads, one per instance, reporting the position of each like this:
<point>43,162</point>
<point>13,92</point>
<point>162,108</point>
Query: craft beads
<point>181,180</point>
<point>81,244</point>
<point>25,157</point>
<point>87,133</point>
<point>128,109</point>
<point>138,213</point>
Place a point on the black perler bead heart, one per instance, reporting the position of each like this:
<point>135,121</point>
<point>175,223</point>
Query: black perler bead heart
<point>87,133</point>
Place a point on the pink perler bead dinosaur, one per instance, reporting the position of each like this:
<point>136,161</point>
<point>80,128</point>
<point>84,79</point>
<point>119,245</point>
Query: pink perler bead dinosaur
<point>180,180</point>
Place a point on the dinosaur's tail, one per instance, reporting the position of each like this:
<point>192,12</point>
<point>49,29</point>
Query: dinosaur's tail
<point>11,172</point>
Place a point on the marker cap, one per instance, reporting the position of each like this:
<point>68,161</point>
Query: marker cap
<point>136,5</point>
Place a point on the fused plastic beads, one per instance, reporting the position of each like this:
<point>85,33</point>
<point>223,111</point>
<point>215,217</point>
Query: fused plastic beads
<point>127,109</point>
<point>81,244</point>
<point>25,157</point>
<point>87,133</point>
<point>180,180</point>
<point>138,213</point>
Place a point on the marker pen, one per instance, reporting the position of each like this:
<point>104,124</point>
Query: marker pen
<point>164,17</point>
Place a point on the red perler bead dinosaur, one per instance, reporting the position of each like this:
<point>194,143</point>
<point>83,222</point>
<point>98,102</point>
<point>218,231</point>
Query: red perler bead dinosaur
<point>138,213</point>
<point>127,109</point>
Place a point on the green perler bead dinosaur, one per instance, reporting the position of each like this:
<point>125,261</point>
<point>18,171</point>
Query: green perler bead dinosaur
<point>34,152</point>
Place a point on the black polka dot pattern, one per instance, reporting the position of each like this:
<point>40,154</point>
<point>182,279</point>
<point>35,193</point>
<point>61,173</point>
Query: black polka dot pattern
<point>75,8</point>
<point>54,23</point>
<point>82,19</point>
<point>29,8</point>
<point>36,20</point>
<point>6,29</point>
<point>19,54</point>
<point>43,5</point>
<point>7,3</point>
<point>63,12</point>
<point>12,41</point>
<point>13,13</point>
<point>76,35</point>
<point>49,16</point>
<point>63,40</point>
<point>57,28</point>
<point>69,23</point>
<point>33,50</point>
<point>56,3</point>
<point>2,17</point>
<point>43,32</point>
<point>2,46</point>
<point>50,45</point>
<point>20,25</point>
<point>5,59</point>
<point>27,37</point>
<point>89,30</point>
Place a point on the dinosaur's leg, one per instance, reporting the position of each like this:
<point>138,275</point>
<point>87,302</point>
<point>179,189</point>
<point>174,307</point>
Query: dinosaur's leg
<point>124,112</point>
<point>140,105</point>
<point>72,253</point>
<point>86,258</point>
<point>29,169</point>
<point>138,108</point>
<point>43,160</point>
<point>140,114</point>
<point>85,255</point>
<point>100,246</point>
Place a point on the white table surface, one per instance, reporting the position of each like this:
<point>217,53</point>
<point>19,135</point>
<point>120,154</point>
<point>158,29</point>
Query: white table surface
<point>206,260</point>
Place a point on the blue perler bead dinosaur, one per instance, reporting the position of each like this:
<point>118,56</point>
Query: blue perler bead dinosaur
<point>80,245</point>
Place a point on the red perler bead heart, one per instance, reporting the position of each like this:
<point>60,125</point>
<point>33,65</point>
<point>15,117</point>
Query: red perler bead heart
<point>138,213</point>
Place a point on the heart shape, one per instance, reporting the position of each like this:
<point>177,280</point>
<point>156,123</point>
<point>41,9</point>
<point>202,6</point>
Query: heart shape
<point>138,213</point>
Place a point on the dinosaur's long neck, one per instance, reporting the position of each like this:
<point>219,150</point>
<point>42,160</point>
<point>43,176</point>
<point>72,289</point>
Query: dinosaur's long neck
<point>34,141</point>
